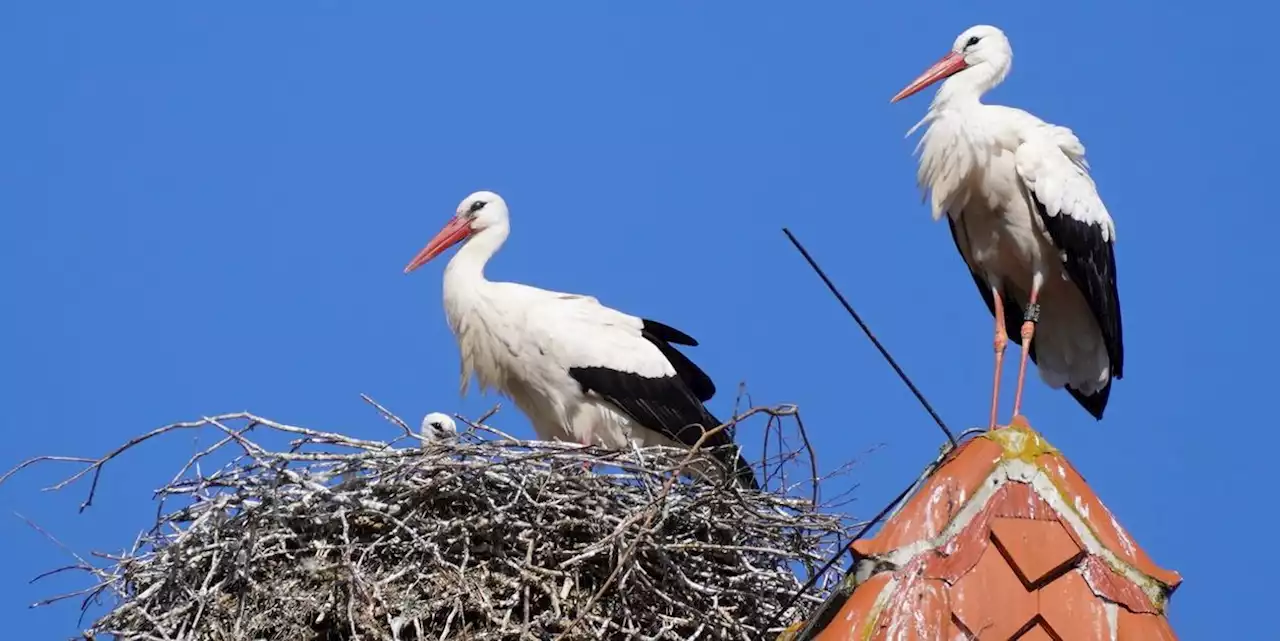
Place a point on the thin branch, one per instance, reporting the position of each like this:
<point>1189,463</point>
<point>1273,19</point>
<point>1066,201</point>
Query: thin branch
<point>396,420</point>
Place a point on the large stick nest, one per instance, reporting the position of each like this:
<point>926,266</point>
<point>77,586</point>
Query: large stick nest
<point>479,537</point>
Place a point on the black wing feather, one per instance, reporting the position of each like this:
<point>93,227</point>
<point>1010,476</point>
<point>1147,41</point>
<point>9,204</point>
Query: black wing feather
<point>662,336</point>
<point>670,405</point>
<point>668,333</point>
<point>1090,261</point>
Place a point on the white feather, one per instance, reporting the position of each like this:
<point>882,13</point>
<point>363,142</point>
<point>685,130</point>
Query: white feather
<point>1051,162</point>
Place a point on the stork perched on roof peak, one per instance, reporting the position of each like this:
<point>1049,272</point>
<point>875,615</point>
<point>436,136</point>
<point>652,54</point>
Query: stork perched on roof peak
<point>580,371</point>
<point>1027,219</point>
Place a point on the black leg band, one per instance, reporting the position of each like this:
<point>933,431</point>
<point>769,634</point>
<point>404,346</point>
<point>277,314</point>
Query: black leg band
<point>1032,313</point>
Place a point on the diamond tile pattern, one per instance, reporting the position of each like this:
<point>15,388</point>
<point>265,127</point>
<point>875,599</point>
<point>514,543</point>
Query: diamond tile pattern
<point>990,602</point>
<point>1006,542</point>
<point>1037,550</point>
<point>1036,634</point>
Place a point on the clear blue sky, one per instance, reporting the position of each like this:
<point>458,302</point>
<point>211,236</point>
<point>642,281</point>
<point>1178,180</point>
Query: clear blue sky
<point>207,209</point>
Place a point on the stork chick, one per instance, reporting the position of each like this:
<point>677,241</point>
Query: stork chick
<point>438,427</point>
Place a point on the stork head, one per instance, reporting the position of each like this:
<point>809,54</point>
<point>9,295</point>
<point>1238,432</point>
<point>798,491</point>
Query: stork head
<point>438,427</point>
<point>476,213</point>
<point>981,52</point>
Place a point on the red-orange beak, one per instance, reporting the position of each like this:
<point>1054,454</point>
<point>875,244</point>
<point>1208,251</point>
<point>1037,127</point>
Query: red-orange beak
<point>949,64</point>
<point>457,229</point>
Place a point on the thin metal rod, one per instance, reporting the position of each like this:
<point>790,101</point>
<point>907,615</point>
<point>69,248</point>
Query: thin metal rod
<point>867,330</point>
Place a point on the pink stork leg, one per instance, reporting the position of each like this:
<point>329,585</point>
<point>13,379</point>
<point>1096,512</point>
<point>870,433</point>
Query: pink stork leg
<point>1002,341</point>
<point>1031,317</point>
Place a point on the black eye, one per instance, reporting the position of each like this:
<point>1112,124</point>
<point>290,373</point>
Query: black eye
<point>476,206</point>
<point>972,41</point>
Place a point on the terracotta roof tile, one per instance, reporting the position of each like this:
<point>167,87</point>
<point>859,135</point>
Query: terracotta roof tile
<point>991,602</point>
<point>1072,611</point>
<point>1100,519</point>
<point>1038,551</point>
<point>1143,627</point>
<point>861,605</point>
<point>1005,541</point>
<point>926,513</point>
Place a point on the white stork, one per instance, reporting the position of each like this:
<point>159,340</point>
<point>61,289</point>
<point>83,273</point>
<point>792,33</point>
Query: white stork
<point>438,427</point>
<point>1028,221</point>
<point>580,371</point>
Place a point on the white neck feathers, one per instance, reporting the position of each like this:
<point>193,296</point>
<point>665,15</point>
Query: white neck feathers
<point>467,265</point>
<point>967,87</point>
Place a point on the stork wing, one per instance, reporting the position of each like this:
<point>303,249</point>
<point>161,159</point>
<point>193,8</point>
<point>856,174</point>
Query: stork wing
<point>1051,165</point>
<point>630,363</point>
<point>662,336</point>
<point>623,344</point>
<point>611,353</point>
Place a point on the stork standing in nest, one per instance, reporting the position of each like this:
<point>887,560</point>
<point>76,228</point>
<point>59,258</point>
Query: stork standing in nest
<point>580,371</point>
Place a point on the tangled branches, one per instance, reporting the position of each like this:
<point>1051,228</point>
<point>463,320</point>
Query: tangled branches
<point>481,537</point>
